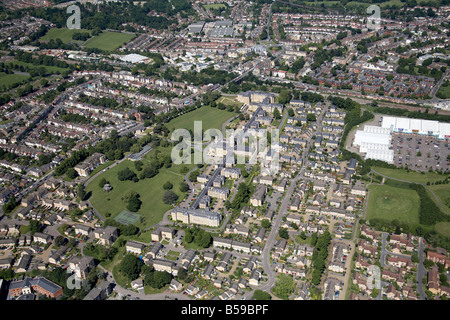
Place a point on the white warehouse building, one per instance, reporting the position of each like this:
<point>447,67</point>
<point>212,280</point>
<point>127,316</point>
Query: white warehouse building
<point>440,130</point>
<point>375,142</point>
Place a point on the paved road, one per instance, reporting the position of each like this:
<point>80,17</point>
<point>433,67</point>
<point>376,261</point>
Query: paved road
<point>421,271</point>
<point>270,241</point>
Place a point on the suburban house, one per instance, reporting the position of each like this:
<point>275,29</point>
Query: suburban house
<point>134,247</point>
<point>258,196</point>
<point>161,233</point>
<point>107,235</point>
<point>81,266</point>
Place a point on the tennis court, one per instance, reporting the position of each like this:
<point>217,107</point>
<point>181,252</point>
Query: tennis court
<point>127,217</point>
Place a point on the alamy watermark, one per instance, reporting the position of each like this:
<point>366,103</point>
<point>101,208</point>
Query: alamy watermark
<point>74,281</point>
<point>374,21</point>
<point>374,279</point>
<point>74,21</point>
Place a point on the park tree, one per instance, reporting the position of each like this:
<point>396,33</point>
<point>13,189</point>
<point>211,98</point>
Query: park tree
<point>81,192</point>
<point>184,187</point>
<point>170,197</point>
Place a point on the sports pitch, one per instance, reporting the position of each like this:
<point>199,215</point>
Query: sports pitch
<point>389,203</point>
<point>127,217</point>
<point>109,41</point>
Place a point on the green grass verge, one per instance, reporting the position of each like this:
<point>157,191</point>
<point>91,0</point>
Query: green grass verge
<point>11,79</point>
<point>62,33</point>
<point>442,191</point>
<point>109,41</point>
<point>411,176</point>
<point>443,228</point>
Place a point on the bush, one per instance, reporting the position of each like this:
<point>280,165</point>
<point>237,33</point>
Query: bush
<point>184,187</point>
<point>168,185</point>
<point>261,295</point>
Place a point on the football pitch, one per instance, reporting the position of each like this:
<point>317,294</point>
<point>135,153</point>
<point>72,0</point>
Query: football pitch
<point>389,203</point>
<point>109,41</point>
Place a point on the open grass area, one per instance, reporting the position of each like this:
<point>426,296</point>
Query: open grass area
<point>50,69</point>
<point>443,228</point>
<point>113,266</point>
<point>389,203</point>
<point>229,101</point>
<point>214,6</point>
<point>172,255</point>
<point>444,91</point>
<point>150,190</point>
<point>442,191</point>
<point>109,41</point>
<point>411,176</point>
<point>62,33</point>
<point>10,79</point>
<point>210,117</point>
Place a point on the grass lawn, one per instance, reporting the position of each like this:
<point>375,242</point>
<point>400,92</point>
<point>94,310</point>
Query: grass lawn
<point>411,176</point>
<point>150,290</point>
<point>443,92</point>
<point>229,101</point>
<point>210,117</point>
<point>24,229</point>
<point>172,255</point>
<point>214,6</point>
<point>113,266</point>
<point>442,191</point>
<point>150,190</point>
<point>62,33</point>
<point>50,69</point>
<point>10,79</point>
<point>109,41</point>
<point>443,228</point>
<point>389,203</point>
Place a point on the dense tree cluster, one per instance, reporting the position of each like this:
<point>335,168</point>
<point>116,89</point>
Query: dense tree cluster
<point>124,229</point>
<point>127,174</point>
<point>133,201</point>
<point>99,252</point>
<point>198,236</point>
<point>130,267</point>
<point>429,212</point>
<point>319,256</point>
<point>241,198</point>
<point>113,15</point>
<point>77,157</point>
